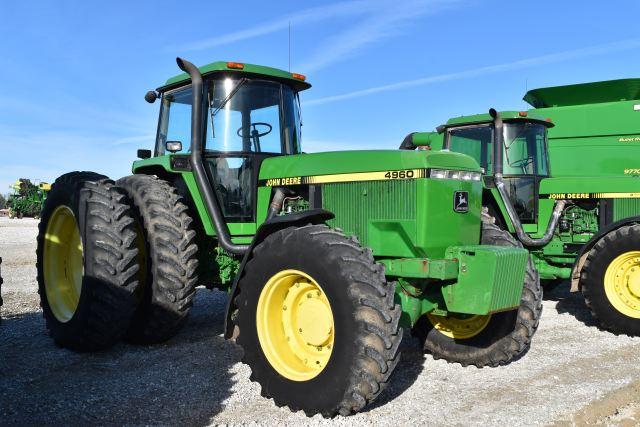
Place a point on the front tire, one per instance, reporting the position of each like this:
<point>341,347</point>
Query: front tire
<point>317,320</point>
<point>491,340</point>
<point>610,280</point>
<point>86,262</point>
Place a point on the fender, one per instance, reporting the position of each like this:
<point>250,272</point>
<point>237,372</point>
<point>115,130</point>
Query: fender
<point>584,251</point>
<point>312,216</point>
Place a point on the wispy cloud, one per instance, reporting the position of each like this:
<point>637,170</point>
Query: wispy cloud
<point>565,56</point>
<point>387,19</point>
<point>306,16</point>
<point>370,21</point>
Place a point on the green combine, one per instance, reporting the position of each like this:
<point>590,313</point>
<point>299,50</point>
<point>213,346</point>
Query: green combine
<point>572,197</point>
<point>326,256</point>
<point>27,198</point>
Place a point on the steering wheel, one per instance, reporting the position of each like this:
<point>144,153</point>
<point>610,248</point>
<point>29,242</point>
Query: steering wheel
<point>522,163</point>
<point>255,133</point>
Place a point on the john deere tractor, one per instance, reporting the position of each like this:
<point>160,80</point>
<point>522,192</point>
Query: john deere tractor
<point>326,256</point>
<point>27,198</point>
<point>575,208</point>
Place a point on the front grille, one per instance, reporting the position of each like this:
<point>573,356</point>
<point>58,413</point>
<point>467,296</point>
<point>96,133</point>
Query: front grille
<point>357,203</point>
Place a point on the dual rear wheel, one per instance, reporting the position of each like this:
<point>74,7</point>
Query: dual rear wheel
<point>111,264</point>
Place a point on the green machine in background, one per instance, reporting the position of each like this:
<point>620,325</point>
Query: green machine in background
<point>572,182</point>
<point>27,198</point>
<point>326,256</point>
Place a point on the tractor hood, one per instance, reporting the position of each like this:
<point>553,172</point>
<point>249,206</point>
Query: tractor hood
<point>344,162</point>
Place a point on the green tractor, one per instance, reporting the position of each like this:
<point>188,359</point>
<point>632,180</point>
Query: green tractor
<point>326,257</point>
<point>27,198</point>
<point>574,205</point>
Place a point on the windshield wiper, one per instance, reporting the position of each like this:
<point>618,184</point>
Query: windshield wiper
<point>229,96</point>
<point>222,104</point>
<point>521,131</point>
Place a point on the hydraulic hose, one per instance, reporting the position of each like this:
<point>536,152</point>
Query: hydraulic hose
<point>498,143</point>
<point>199,173</point>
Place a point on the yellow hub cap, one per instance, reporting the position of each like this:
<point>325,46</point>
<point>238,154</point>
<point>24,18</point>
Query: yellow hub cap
<point>459,326</point>
<point>622,284</point>
<point>63,266</point>
<point>295,325</point>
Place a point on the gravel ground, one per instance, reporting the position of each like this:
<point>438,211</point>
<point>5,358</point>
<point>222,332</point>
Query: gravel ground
<point>574,372</point>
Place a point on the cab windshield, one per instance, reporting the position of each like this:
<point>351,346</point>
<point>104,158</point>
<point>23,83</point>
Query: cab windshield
<point>524,158</point>
<point>243,115</point>
<point>252,116</point>
<point>524,151</point>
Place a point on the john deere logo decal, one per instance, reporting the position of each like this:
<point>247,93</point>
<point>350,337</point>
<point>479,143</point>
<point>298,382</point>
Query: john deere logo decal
<point>461,201</point>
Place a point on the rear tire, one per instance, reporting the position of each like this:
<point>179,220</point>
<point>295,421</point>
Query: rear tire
<point>86,262</point>
<point>168,263</point>
<point>365,336</point>
<point>501,339</point>
<point>610,281</point>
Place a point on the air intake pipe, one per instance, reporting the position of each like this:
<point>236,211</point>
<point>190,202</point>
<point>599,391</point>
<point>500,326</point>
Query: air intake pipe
<point>205,188</point>
<point>498,144</point>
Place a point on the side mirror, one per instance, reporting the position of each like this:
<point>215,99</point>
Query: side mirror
<point>151,96</point>
<point>144,154</point>
<point>173,146</point>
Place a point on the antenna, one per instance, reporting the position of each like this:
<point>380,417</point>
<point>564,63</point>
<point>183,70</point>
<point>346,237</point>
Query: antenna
<point>289,46</point>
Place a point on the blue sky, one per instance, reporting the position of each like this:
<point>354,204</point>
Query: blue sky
<point>73,73</point>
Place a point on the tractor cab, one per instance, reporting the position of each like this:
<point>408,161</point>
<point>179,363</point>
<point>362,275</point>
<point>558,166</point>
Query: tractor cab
<point>250,113</point>
<point>524,153</point>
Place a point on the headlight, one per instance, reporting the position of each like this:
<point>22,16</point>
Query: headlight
<point>454,174</point>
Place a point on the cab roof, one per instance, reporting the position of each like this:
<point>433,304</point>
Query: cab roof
<point>248,70</point>
<point>584,93</point>
<point>507,116</point>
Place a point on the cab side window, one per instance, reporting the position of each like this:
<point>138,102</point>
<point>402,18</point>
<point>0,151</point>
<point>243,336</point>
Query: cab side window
<point>175,120</point>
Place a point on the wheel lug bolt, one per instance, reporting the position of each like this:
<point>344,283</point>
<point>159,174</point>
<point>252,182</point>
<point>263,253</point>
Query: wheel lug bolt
<point>299,329</point>
<point>284,307</point>
<point>308,295</point>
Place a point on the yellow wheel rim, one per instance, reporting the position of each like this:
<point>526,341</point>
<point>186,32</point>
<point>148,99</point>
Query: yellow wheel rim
<point>63,265</point>
<point>295,325</point>
<point>460,326</point>
<point>622,284</point>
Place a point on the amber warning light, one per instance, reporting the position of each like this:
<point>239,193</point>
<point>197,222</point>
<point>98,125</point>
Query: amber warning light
<point>235,65</point>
